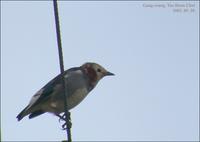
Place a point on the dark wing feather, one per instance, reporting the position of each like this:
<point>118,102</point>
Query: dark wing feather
<point>36,113</point>
<point>48,89</point>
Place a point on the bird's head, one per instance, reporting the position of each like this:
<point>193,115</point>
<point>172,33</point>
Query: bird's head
<point>95,72</point>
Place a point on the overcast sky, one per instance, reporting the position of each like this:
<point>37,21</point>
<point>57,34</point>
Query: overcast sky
<point>152,47</point>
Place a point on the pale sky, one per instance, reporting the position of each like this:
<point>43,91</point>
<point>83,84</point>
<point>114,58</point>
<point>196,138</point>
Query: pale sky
<point>154,52</point>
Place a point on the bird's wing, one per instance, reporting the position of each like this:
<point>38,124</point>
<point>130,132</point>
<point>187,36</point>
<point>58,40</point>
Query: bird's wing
<point>45,93</point>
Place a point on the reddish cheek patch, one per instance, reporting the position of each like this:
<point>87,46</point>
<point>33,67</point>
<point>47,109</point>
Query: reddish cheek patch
<point>91,74</point>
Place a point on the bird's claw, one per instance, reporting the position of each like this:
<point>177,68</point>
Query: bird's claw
<point>62,118</point>
<point>67,124</point>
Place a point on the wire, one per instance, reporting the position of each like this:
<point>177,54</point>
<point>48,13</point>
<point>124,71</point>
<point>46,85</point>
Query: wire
<point>67,113</point>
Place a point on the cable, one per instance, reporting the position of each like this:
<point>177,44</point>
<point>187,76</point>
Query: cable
<point>67,113</point>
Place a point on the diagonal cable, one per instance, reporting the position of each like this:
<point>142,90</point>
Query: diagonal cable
<point>67,113</point>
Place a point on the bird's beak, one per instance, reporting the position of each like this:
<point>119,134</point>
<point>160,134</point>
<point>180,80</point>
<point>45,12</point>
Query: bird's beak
<point>109,73</point>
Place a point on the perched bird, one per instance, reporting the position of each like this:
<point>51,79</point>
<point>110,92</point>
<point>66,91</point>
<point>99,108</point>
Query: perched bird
<point>79,82</point>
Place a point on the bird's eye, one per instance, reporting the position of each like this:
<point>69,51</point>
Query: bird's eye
<point>99,70</point>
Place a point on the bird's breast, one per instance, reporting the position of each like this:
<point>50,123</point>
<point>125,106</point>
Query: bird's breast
<point>77,97</point>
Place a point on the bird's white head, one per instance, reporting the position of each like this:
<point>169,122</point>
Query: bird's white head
<point>95,71</point>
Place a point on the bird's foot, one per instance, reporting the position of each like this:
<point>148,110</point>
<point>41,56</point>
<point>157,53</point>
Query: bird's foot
<point>67,124</point>
<point>63,117</point>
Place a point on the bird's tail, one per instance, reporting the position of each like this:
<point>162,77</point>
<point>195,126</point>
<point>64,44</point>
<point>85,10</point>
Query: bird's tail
<point>22,114</point>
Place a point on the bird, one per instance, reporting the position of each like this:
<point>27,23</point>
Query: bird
<point>79,81</point>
